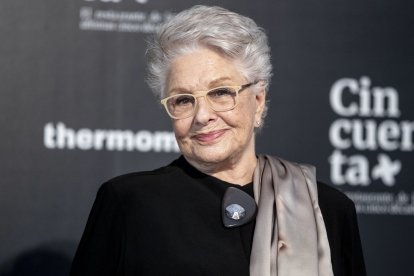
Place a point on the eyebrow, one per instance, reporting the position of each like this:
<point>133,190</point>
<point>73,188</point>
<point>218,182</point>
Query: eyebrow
<point>218,81</point>
<point>212,84</point>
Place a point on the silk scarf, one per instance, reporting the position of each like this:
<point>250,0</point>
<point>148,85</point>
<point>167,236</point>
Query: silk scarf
<point>290,236</point>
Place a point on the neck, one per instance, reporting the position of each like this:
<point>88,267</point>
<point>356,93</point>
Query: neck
<point>237,170</point>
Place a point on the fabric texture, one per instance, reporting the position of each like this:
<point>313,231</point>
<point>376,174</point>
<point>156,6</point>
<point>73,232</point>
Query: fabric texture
<point>168,222</point>
<point>286,194</point>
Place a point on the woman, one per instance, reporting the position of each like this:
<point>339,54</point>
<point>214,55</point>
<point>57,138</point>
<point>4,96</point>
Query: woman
<point>211,67</point>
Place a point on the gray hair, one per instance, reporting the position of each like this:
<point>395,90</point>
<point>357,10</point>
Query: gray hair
<point>231,34</point>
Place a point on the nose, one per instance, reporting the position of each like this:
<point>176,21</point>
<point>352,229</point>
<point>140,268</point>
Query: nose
<point>203,113</point>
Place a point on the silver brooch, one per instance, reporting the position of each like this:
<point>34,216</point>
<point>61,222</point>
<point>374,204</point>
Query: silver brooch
<point>235,211</point>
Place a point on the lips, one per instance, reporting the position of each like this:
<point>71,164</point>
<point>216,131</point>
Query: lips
<point>209,137</point>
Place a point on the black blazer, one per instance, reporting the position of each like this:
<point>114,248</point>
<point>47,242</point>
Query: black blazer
<point>168,222</point>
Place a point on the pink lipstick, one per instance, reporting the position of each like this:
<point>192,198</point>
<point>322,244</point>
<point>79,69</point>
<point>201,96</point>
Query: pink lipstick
<point>209,137</point>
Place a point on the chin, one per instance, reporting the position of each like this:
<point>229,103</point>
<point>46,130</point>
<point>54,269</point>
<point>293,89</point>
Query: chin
<point>213,156</point>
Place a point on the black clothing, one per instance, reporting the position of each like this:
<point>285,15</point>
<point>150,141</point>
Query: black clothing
<point>168,222</point>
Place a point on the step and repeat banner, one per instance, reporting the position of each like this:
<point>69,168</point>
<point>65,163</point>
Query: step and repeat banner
<point>76,111</point>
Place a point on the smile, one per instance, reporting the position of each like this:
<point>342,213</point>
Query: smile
<point>209,137</point>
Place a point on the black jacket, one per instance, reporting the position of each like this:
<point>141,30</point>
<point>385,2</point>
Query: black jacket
<point>168,222</point>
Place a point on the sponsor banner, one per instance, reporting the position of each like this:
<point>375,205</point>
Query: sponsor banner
<point>59,136</point>
<point>91,19</point>
<point>76,111</point>
<point>369,140</point>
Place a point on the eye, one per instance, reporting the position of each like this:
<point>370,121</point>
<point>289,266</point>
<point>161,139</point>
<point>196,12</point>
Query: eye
<point>222,92</point>
<point>181,100</point>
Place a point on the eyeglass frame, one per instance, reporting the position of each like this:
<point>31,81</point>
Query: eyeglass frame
<point>203,93</point>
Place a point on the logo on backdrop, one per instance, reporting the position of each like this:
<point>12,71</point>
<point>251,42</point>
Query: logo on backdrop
<point>115,20</point>
<point>367,138</point>
<point>60,136</point>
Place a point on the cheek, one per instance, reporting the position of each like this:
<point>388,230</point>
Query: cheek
<point>181,128</point>
<point>245,113</point>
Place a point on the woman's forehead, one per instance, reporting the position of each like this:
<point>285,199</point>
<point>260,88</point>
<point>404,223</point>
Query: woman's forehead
<point>202,69</point>
<point>221,81</point>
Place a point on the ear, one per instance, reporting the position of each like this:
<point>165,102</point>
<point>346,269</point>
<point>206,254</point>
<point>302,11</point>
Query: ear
<point>260,97</point>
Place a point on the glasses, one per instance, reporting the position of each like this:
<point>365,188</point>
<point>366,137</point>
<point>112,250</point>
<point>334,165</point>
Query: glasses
<point>223,98</point>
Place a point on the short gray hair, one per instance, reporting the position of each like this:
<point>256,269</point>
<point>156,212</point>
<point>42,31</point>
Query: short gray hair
<point>231,34</point>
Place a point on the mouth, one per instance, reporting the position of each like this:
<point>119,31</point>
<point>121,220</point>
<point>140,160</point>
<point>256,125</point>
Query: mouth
<point>209,137</point>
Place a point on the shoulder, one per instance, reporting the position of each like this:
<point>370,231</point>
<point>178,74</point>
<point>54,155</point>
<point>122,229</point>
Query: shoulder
<point>330,199</point>
<point>139,182</point>
<point>335,206</point>
<point>332,196</point>
<point>136,177</point>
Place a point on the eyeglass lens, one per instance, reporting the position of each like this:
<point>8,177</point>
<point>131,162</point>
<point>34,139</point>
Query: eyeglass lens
<point>220,99</point>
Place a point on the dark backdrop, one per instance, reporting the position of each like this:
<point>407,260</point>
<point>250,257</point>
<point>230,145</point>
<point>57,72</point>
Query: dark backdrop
<point>75,111</point>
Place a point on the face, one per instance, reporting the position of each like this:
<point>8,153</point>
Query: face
<point>210,137</point>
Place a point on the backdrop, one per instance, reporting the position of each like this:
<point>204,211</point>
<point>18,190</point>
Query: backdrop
<point>75,111</point>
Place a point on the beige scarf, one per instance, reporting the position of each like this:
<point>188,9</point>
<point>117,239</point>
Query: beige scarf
<point>290,236</point>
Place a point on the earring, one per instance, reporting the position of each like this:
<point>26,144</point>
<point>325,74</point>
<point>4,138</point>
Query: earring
<point>258,123</point>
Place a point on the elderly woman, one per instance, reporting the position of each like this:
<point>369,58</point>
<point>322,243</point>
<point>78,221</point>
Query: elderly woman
<point>198,216</point>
